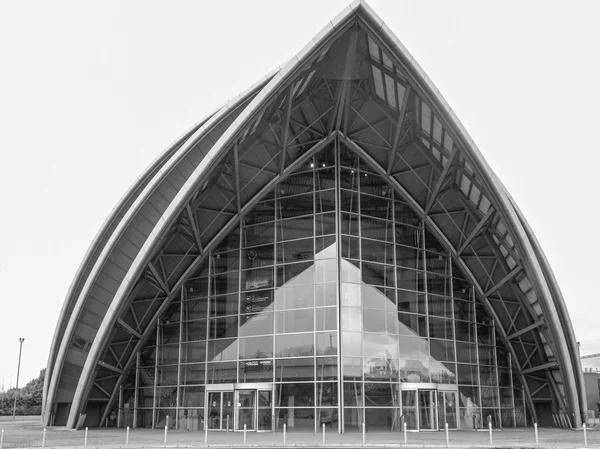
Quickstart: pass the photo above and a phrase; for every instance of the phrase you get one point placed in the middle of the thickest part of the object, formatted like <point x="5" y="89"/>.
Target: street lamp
<point x="21" y="340"/>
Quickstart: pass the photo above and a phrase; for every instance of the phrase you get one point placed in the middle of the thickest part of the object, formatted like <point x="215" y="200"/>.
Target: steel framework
<point x="353" y="83"/>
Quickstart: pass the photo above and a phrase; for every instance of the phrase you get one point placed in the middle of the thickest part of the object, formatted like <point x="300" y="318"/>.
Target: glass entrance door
<point x="427" y="410"/>
<point x="265" y="407"/>
<point x="220" y="406"/>
<point x="409" y="409"/>
<point x="447" y="408"/>
<point x="245" y="412"/>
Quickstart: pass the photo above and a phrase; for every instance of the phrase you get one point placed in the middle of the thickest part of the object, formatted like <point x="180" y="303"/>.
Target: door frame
<point x="410" y="386"/>
<point x="232" y="388"/>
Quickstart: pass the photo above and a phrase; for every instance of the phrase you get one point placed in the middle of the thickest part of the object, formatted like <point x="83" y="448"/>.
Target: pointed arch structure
<point x="354" y="93"/>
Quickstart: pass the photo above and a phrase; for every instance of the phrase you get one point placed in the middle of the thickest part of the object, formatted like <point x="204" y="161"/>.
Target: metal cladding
<point x="354" y="84"/>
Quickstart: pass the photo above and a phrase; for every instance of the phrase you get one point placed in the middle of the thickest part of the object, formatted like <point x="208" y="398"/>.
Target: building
<point x="329" y="248"/>
<point x="591" y="377"/>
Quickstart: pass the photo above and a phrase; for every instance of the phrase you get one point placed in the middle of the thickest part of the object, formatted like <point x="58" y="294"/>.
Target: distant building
<point x="591" y="375"/>
<point x="329" y="248"/>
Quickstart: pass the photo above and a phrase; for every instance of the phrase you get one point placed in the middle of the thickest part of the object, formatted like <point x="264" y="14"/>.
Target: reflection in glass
<point x="294" y="345"/>
<point x="295" y="370"/>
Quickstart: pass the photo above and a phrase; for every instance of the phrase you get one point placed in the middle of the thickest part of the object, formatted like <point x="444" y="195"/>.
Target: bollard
<point x="323" y="433"/>
<point x="244" y="433"/>
<point x="284" y="431"/>
<point x="44" y="438"/>
<point x="584" y="435"/>
<point x="447" y="435"/>
<point x="536" y="433"/>
<point x="85" y="439"/>
<point x="1" y="438"/>
<point x="404" y="432"/>
<point x="127" y="437"/>
<point x="205" y="433"/>
<point x="490" y="427"/>
<point x="363" y="430"/>
<point x="165" y="443"/>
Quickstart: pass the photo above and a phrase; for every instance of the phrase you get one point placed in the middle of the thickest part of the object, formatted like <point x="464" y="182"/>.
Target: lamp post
<point x="18" y="370"/>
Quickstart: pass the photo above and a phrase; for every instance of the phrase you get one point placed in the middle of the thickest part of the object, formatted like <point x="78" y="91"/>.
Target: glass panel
<point x="227" y="414"/>
<point x="325" y="224"/>
<point x="256" y="370"/>
<point x="258" y="256"/>
<point x="223" y="327"/>
<point x="246" y="409"/>
<point x="295" y="370"/>
<point x="256" y="301"/>
<point x="290" y="321"/>
<point x="219" y="350"/>
<point x="257" y="278"/>
<point x="381" y="395"/>
<point x="256" y="324"/>
<point x="383" y="419"/>
<point x="427" y="410"/>
<point x="448" y="408"/>
<point x="224" y="305"/>
<point x="293" y="206"/>
<point x="294" y="345"/>
<point x="326" y="318"/>
<point x="298" y="273"/>
<point x="411" y="302"/>
<point x="256" y="347"/>
<point x="302" y="419"/>
<point x="327" y="368"/>
<point x="295" y="251"/>
<point x="193" y="374"/>
<point x="296" y="297"/>
<point x="259" y="234"/>
<point x="295" y="228"/>
<point x="327" y="343"/>
<point x="326" y="294"/>
<point x="192" y="397"/>
<point x="409" y="409"/>
<point x="214" y="410"/>
<point x="221" y="373"/>
<point x="264" y="419"/>
<point x="295" y="395"/>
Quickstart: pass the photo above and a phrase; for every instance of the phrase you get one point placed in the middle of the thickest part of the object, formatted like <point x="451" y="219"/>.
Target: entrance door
<point x="265" y="410"/>
<point x="245" y="413"/>
<point x="447" y="407"/>
<point x="220" y="406"/>
<point x="409" y="409"/>
<point x="427" y="410"/>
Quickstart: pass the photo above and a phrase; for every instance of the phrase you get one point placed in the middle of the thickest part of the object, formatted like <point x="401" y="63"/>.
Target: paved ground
<point x="28" y="432"/>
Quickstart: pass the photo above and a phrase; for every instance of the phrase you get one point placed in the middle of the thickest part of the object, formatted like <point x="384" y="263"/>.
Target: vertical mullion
<point x="512" y="392"/>
<point x="498" y="406"/>
<point x="136" y="391"/>
<point x="477" y="356"/>
<point x="156" y="355"/>
<point x="338" y="215"/>
<point x="457" y="401"/>
<point x="178" y="401"/>
<point x="425" y="291"/>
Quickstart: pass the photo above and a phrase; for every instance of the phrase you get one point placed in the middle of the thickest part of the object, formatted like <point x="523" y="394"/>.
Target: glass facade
<point x="332" y="304"/>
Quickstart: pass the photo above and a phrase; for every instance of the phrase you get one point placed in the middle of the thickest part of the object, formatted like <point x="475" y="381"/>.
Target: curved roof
<point x="354" y="83"/>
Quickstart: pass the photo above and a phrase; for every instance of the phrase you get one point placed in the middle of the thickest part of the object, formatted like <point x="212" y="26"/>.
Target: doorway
<point x="233" y="406"/>
<point x="426" y="409"/>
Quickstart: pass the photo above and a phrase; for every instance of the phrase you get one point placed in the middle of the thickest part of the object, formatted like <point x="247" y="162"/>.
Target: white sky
<point x="91" y="93"/>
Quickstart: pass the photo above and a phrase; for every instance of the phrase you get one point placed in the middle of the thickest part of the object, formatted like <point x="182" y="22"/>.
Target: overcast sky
<point x="91" y="93"/>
